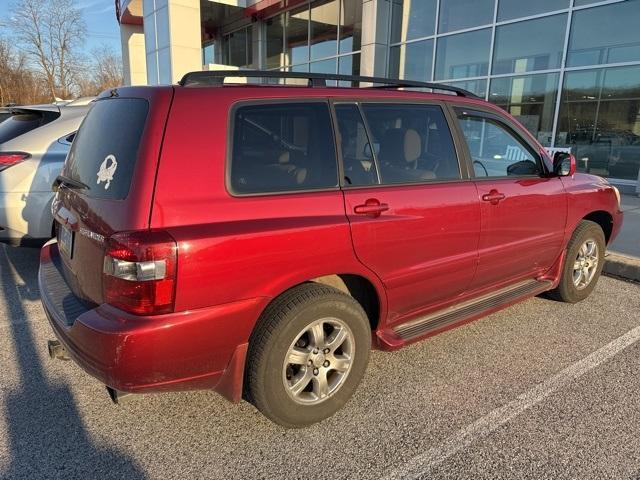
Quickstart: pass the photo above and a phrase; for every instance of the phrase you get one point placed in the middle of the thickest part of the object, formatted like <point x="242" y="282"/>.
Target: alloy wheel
<point x="585" y="265"/>
<point x="318" y="361"/>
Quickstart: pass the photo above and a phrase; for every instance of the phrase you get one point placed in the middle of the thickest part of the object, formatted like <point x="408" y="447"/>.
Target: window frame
<point x="230" y="141"/>
<point x="509" y="126"/>
<point x="459" y="143"/>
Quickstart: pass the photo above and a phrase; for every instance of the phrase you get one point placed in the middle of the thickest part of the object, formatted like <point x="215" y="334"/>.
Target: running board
<point x="470" y="308"/>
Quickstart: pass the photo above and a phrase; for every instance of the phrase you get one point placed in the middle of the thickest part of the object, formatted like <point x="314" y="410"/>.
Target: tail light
<point x="9" y="159"/>
<point x="139" y="274"/>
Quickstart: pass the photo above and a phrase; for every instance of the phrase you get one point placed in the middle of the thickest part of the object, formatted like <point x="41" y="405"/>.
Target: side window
<point x="283" y="147"/>
<point x="495" y="150"/>
<point x="357" y="156"/>
<point x="412" y="142"/>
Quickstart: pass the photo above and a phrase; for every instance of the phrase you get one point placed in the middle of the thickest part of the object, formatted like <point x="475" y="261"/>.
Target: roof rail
<point x="216" y="78"/>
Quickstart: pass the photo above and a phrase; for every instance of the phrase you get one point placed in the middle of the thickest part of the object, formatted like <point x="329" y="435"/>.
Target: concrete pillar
<point x="375" y="37"/>
<point x="172" y="33"/>
<point x="133" y="55"/>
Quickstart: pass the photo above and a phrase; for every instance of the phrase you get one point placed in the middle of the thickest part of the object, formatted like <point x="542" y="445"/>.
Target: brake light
<point x="139" y="274"/>
<point x="9" y="159"/>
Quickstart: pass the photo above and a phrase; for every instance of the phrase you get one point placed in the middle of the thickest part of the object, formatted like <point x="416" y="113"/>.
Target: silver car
<point x="34" y="142"/>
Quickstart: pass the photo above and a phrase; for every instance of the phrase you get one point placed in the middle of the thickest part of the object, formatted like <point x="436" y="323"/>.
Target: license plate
<point x="65" y="240"/>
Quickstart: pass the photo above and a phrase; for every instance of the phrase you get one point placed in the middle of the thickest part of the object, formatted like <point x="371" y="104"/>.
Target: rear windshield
<point x="19" y="124"/>
<point x="105" y="149"/>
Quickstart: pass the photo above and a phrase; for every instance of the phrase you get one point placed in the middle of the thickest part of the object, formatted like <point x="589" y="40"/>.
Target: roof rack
<point x="216" y="78"/>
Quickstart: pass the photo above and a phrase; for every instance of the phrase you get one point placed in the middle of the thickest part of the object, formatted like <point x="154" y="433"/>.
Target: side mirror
<point x="564" y="164"/>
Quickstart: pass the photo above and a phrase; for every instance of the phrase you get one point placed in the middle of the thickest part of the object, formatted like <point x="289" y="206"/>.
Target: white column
<point x="375" y="37"/>
<point x="172" y="39"/>
<point x="133" y="54"/>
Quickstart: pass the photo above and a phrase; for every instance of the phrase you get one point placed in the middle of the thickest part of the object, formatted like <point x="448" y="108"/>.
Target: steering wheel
<point x="486" y="174"/>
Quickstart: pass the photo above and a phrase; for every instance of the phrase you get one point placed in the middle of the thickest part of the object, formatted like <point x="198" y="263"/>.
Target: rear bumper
<point x="200" y="349"/>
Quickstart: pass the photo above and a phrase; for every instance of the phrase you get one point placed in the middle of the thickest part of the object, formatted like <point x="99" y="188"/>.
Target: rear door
<point x="414" y="218"/>
<point x="108" y="181"/>
<point x="524" y="210"/>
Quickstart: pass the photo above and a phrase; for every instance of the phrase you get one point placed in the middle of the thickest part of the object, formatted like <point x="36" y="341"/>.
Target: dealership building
<point x="569" y="70"/>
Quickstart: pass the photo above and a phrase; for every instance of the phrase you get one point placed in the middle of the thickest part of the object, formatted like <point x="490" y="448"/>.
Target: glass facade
<point x="568" y="70"/>
<point x="322" y="36"/>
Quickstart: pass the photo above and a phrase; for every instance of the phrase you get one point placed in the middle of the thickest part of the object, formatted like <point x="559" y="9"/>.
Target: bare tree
<point x="107" y="68"/>
<point x="102" y="72"/>
<point x="18" y="83"/>
<point x="50" y="32"/>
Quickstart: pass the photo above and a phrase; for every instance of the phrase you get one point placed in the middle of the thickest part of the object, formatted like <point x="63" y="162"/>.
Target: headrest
<point x="412" y="145"/>
<point x="284" y="158"/>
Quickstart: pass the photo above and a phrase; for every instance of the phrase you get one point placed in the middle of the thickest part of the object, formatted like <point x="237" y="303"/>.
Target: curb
<point x="622" y="266"/>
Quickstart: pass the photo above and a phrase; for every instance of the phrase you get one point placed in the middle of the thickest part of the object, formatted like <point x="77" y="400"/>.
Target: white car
<point x="34" y="142"/>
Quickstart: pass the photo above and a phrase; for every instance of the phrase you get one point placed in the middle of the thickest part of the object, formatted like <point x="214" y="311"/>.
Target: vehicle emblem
<point x="107" y="170"/>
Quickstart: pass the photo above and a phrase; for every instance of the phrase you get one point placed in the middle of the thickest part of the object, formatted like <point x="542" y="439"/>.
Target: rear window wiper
<point x="69" y="182"/>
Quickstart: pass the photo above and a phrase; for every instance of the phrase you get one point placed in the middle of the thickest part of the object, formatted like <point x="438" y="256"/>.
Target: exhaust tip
<point x="57" y="350"/>
<point x="117" y="396"/>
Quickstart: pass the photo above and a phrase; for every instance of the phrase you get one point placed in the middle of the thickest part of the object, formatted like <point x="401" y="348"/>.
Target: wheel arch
<point x="604" y="219"/>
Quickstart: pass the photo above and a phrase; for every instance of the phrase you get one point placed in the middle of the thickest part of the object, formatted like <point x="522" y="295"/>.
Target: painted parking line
<point x="420" y="465"/>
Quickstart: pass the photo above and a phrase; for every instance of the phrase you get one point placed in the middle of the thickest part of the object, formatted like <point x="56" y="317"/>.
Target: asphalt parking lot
<point x="540" y="390"/>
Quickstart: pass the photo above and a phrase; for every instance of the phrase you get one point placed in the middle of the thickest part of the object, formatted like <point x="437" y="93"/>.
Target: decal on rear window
<point x="107" y="171"/>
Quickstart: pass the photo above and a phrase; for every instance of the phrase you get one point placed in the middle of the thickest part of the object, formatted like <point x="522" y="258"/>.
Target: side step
<point x="468" y="309"/>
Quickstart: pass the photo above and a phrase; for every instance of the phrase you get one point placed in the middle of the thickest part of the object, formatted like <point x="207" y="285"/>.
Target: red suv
<point x="258" y="240"/>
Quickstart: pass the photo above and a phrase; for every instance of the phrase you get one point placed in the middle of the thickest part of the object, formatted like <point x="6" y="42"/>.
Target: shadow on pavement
<point x="45" y="436"/>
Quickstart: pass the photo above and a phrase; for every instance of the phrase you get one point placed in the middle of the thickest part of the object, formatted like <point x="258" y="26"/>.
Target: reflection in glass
<point x="275" y="41"/>
<point x="236" y="48"/>
<point x="412" y="19"/>
<point x="531" y="99"/>
<point x="515" y="52"/>
<point x="606" y="34"/>
<point x="464" y="55"/>
<point x="600" y="120"/>
<point x="461" y="14"/>
<point x="323" y="28"/>
<point x="477" y="87"/>
<point x="509" y="9"/>
<point x="349" y="65"/>
<point x="350" y="25"/>
<point x="411" y="61"/>
<point x="208" y="54"/>
<point x="297" y="36"/>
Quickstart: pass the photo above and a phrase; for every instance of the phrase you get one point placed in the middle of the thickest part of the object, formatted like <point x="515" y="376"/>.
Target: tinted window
<point x="284" y="147"/>
<point x="607" y="34"/>
<point x="531" y="99"/>
<point x="108" y="142"/>
<point x="461" y="14"/>
<point x="411" y="61"/>
<point x="495" y="150"/>
<point x="357" y="159"/>
<point x="515" y="52"/>
<point x="350" y="25"/>
<point x="508" y="9"/>
<point x="600" y="120"/>
<point x="411" y="19"/>
<point x="412" y="142"/>
<point x="324" y="28"/>
<point x="18" y="125"/>
<point x="464" y="55"/>
<point x="478" y="87"/>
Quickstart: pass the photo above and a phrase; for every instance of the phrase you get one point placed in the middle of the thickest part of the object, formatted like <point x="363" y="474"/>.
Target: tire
<point x="570" y="290"/>
<point x="289" y="329"/>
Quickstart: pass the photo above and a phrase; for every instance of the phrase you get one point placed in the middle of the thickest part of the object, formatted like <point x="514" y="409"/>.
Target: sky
<point x="100" y="17"/>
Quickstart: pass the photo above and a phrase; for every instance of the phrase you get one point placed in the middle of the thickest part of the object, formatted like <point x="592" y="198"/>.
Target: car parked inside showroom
<point x="34" y="142"/>
<point x="259" y="240"/>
